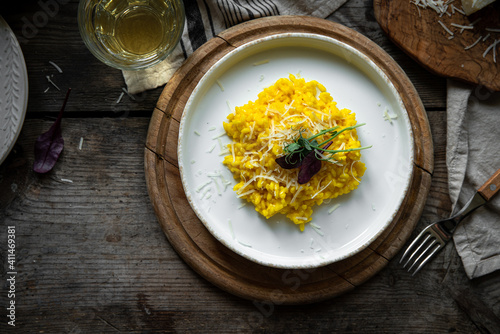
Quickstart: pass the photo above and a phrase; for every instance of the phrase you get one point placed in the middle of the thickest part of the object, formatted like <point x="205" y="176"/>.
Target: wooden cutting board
<point x="419" y="33"/>
<point x="206" y="255"/>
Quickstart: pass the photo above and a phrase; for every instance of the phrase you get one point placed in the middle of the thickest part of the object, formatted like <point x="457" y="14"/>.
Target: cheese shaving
<point x="55" y="66"/>
<point x="262" y="62"/>
<point x="51" y="82"/>
<point x="220" y="85"/>
<point x="473" y="44"/>
<point x="333" y="208"/>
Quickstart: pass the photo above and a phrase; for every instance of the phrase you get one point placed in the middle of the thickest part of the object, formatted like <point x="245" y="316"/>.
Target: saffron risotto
<point x="261" y="129"/>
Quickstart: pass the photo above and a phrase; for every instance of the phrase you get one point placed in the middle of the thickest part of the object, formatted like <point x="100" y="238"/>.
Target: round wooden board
<point x="207" y="256"/>
<point x="417" y="32"/>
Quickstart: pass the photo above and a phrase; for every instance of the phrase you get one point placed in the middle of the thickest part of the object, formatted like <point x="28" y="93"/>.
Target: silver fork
<point x="435" y="236"/>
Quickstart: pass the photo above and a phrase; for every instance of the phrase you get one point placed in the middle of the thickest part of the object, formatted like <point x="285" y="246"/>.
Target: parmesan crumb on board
<point x="120" y="97"/>
<point x="445" y="27"/>
<point x="453" y="29"/>
<point x="51" y="82"/>
<point x="128" y="94"/>
<point x="55" y="66"/>
<point x="473" y="44"/>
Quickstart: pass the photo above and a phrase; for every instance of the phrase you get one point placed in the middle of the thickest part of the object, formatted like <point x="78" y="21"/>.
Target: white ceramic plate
<point x="355" y="83"/>
<point x="13" y="89"/>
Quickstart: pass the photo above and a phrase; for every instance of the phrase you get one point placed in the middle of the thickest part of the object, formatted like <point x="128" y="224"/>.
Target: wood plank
<point x="93" y="251"/>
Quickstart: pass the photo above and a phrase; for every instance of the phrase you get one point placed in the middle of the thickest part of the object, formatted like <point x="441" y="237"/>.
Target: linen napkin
<point x="473" y="156"/>
<point x="206" y="19"/>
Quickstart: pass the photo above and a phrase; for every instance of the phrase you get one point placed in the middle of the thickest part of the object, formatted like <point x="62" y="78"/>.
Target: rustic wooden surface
<point x="418" y="31"/>
<point x="92" y="258"/>
<point x="201" y="250"/>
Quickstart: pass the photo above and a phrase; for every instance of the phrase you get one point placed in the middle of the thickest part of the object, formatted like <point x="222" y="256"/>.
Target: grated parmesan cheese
<point x="51" y="82"/>
<point x="445" y="28"/>
<point x="120" y="97"/>
<point x="220" y="85"/>
<point x="55" y="66"/>
<point x="473" y="44"/>
<point x="262" y="62"/>
<point x="128" y="94"/>
<point x="231" y="229"/>
<point x="244" y="244"/>
<point x="211" y="149"/>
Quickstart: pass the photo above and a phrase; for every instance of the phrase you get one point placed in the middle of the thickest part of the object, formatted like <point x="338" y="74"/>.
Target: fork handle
<point x="491" y="187"/>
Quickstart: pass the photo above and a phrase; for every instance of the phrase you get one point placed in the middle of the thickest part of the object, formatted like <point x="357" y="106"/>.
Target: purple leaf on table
<point x="50" y="144"/>
<point x="310" y="166"/>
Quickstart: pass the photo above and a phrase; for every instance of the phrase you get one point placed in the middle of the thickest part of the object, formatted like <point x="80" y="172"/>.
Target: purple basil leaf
<point x="327" y="145"/>
<point x="289" y="161"/>
<point x="310" y="166"/>
<point x="50" y="144"/>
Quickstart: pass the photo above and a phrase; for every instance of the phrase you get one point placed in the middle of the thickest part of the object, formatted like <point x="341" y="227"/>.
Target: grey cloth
<point x="473" y="155"/>
<point x="206" y="19"/>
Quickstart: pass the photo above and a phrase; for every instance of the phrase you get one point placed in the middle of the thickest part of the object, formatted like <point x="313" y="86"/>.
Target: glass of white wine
<point x="131" y="34"/>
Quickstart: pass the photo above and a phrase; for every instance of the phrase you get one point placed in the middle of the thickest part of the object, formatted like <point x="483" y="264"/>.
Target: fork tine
<point x="414" y="243"/>
<point x="439" y="246"/>
<point x="417" y="240"/>
<point x="433" y="242"/>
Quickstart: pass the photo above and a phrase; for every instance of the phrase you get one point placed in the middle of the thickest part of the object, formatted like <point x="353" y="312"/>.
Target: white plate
<point x="356" y="83"/>
<point x="13" y="89"/>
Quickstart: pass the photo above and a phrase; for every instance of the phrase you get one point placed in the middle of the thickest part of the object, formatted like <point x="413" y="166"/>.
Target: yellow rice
<point x="260" y="129"/>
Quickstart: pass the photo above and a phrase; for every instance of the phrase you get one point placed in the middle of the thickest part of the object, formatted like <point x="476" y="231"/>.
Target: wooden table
<point x="92" y="258"/>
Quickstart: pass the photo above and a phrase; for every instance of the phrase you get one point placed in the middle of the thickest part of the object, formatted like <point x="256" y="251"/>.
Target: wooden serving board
<point x="206" y="255"/>
<point x="417" y="32"/>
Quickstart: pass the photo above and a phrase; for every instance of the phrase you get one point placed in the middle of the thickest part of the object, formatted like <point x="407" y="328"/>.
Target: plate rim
<point x="308" y="262"/>
<point x="5" y="28"/>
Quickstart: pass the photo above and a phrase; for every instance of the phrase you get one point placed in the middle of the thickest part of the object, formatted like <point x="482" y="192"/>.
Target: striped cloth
<point x="207" y="18"/>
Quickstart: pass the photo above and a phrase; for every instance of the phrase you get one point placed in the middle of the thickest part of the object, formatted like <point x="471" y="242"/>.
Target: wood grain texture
<point x="491" y="187"/>
<point x="418" y="31"/>
<point x="193" y="241"/>
<point x="93" y="251"/>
